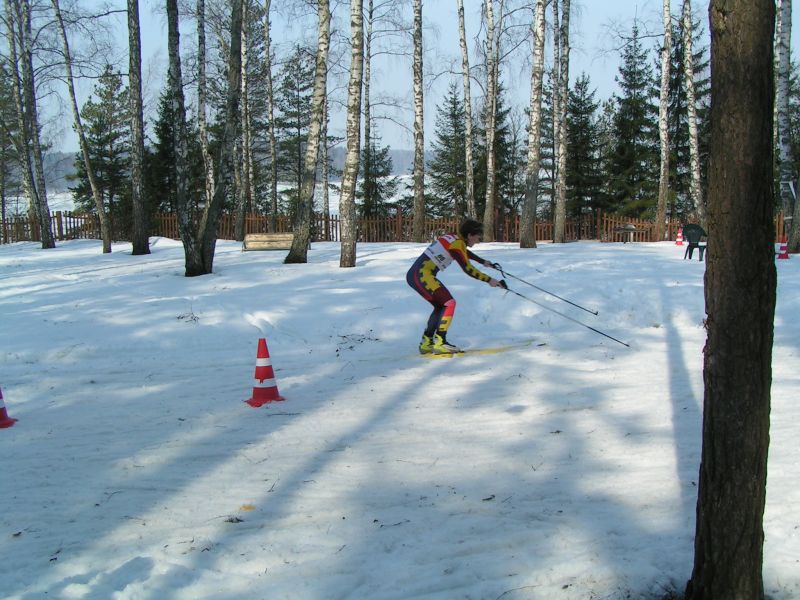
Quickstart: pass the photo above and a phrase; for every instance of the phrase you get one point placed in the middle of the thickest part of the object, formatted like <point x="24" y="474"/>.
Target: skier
<point x="422" y="277"/>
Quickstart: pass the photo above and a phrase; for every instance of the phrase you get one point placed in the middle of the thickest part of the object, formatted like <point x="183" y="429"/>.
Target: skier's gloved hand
<point x="503" y="284"/>
<point x="495" y="266"/>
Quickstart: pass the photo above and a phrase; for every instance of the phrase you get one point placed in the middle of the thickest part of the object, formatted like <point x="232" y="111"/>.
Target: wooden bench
<point x="267" y="241"/>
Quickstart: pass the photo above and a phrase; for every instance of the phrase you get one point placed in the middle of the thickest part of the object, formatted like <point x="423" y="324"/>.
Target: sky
<point x="594" y="51"/>
<point x="563" y="468"/>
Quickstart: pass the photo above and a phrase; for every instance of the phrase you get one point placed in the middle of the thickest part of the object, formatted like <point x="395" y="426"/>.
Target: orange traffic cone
<point x="784" y="251"/>
<point x="5" y="420"/>
<point x="679" y="239"/>
<point x="265" y="389"/>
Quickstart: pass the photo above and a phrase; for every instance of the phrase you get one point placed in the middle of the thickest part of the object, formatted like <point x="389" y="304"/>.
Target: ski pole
<point x="566" y="316"/>
<point x="505" y="274"/>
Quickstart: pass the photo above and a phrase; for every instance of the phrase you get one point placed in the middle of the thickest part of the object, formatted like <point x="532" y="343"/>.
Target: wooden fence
<point x="398" y="228"/>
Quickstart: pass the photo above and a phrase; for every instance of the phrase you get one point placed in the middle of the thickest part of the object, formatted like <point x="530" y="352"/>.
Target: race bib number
<point x="438" y="253"/>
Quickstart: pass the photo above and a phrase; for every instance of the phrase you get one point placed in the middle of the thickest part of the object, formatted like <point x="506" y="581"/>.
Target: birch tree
<point x="491" y="110"/>
<point x="740" y="282"/>
<point x="695" y="186"/>
<point x="418" y="225"/>
<point x="105" y="223"/>
<point x="202" y="92"/>
<point x="347" y="201"/>
<point x="21" y="48"/>
<point x="244" y="189"/>
<point x="527" y="231"/>
<point x="663" y="130"/>
<point x="140" y="232"/>
<point x="561" y="71"/>
<point x="785" y="158"/>
<point x="302" y="226"/>
<point x="199" y="236"/>
<point x="469" y="170"/>
<point x="273" y="142"/>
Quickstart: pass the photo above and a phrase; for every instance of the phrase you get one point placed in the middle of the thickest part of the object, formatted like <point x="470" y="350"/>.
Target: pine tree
<point x="584" y="176"/>
<point x="107" y="128"/>
<point x="293" y="101"/>
<point x="377" y="188"/>
<point x="447" y="167"/>
<point x="10" y="183"/>
<point x="504" y="158"/>
<point x="635" y="161"/>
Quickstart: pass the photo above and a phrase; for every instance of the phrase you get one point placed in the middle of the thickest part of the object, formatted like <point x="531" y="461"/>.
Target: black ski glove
<point x="495" y="266"/>
<point x="503" y="284"/>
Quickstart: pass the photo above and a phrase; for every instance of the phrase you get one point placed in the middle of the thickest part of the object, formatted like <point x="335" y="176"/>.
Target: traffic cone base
<point x="784" y="251"/>
<point x="5" y="420"/>
<point x="265" y="389"/>
<point x="679" y="239"/>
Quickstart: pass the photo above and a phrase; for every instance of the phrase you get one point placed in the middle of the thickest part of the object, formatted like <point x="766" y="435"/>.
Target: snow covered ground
<point x="562" y="469"/>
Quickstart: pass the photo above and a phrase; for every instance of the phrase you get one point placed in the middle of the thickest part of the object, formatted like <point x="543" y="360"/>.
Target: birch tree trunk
<point x="273" y="142"/>
<point x="740" y="283"/>
<point x="19" y="14"/>
<point x="244" y="189"/>
<point x="527" y="231"/>
<point x="326" y="201"/>
<point x="561" y="139"/>
<point x="368" y="200"/>
<point x="663" y="131"/>
<point x="302" y="227"/>
<point x="105" y="225"/>
<point x="140" y="233"/>
<point x="192" y="253"/>
<point x="490" y="108"/>
<point x="695" y="186"/>
<point x="202" y="87"/>
<point x="347" y="201"/>
<point x="418" y="225"/>
<point x="207" y="230"/>
<point x="788" y="180"/>
<point x="469" y="171"/>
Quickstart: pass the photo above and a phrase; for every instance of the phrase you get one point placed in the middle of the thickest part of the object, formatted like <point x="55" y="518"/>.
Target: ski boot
<point x="426" y="344"/>
<point x="442" y="346"/>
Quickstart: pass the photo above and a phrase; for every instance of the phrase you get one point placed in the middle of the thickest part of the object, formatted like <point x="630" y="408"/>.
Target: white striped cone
<point x="5" y="420"/>
<point x="265" y="389"/>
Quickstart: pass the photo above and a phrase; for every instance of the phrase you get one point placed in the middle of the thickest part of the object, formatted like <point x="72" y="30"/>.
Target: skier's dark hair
<point x="470" y="227"/>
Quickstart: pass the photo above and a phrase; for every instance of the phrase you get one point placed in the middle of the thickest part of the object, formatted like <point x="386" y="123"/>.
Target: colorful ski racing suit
<point x="422" y="277"/>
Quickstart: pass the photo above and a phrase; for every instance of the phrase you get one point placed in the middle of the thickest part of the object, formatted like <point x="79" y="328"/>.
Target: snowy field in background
<point x="564" y="469"/>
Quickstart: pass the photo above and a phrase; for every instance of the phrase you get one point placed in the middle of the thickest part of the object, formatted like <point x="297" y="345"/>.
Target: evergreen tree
<point x="635" y="160"/>
<point x="293" y="101"/>
<point x="106" y="119"/>
<point x="584" y="176"/>
<point x="376" y="190"/>
<point x="10" y="183"/>
<point x="447" y="168"/>
<point x="504" y="157"/>
<point x="546" y="193"/>
<point x="160" y="176"/>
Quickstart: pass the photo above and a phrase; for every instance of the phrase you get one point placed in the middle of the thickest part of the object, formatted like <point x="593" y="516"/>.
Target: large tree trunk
<point x="695" y="186"/>
<point x="418" y="224"/>
<point x="186" y="222"/>
<point x="527" y="231"/>
<point x="105" y="225"/>
<point x="663" y="131"/>
<point x="140" y="233"/>
<point x="302" y="228"/>
<point x="347" y="201"/>
<point x="740" y="304"/>
<point x="560" y="220"/>
<point x="469" y="171"/>
<point x="273" y="142"/>
<point x="224" y="164"/>
<point x="491" y="110"/>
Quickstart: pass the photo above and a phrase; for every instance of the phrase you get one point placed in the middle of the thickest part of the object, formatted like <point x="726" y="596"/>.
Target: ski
<point x="484" y="351"/>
